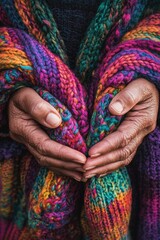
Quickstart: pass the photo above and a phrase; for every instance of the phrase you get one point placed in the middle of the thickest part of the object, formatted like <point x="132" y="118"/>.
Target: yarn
<point x="47" y="205"/>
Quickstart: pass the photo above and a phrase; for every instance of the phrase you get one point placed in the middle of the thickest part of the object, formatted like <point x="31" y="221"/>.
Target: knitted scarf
<point x="119" y="46"/>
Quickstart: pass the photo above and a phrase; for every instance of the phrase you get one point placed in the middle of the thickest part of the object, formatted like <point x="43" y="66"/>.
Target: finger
<point x="104" y="170"/>
<point x="55" y="163"/>
<point x="134" y="92"/>
<point x="31" y="134"/>
<point x="30" y="102"/>
<point x="28" y="131"/>
<point x="127" y="131"/>
<point x="117" y="155"/>
<point x="73" y="174"/>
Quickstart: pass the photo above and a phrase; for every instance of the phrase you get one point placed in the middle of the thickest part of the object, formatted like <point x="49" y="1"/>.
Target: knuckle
<point x="148" y="121"/>
<point x="152" y="125"/>
<point x="139" y="123"/>
<point x="146" y="87"/>
<point x="42" y="160"/>
<point x="127" y="161"/>
<point x="147" y="90"/>
<point x="41" y="147"/>
<point x="136" y="142"/>
<point x="61" y="152"/>
<point x="108" y="142"/>
<point x="28" y="132"/>
<point x="151" y="128"/>
<point x="130" y="98"/>
<point x="149" y="124"/>
<point x="125" y="138"/>
<point x="38" y="108"/>
<point x="125" y="153"/>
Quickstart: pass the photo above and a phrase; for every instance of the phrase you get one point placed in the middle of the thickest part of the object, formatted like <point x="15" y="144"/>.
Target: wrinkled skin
<point x="139" y="101"/>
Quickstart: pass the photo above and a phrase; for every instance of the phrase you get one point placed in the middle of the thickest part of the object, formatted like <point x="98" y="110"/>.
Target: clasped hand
<point x="27" y="110"/>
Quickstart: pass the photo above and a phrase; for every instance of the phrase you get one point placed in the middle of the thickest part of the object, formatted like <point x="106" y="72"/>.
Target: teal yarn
<point x="52" y="203"/>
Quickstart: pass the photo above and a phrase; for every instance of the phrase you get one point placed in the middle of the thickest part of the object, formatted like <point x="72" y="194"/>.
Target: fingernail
<point x="102" y="175"/>
<point x="95" y="155"/>
<point x="91" y="175"/>
<point x="77" y="179"/>
<point x="90" y="168"/>
<point x="105" y="174"/>
<point x="80" y="161"/>
<point x="53" y="120"/>
<point x="117" y="106"/>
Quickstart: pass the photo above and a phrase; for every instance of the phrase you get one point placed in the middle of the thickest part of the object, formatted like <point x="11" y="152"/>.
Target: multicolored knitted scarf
<point x="118" y="47"/>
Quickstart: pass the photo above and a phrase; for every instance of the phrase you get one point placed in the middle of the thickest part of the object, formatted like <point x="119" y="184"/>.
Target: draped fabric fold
<point x="118" y="48"/>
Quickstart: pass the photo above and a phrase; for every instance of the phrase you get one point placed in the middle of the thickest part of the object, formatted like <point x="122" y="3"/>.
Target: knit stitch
<point x="108" y="60"/>
<point x="72" y="26"/>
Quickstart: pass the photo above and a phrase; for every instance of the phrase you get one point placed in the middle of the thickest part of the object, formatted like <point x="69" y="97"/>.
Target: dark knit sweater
<point x="77" y="16"/>
<point x="145" y="170"/>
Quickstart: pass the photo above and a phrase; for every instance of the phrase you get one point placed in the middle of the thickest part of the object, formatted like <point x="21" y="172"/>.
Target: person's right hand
<point x="27" y="110"/>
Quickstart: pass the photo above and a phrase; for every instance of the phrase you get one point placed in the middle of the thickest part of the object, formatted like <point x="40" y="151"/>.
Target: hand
<point x="27" y="110"/>
<point x="140" y="100"/>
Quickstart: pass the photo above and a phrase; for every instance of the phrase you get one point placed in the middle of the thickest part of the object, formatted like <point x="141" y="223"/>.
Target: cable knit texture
<point x="74" y="23"/>
<point x="118" y="47"/>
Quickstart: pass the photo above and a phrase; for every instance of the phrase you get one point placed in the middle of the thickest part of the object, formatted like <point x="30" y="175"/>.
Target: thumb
<point x="30" y="102"/>
<point x="125" y="100"/>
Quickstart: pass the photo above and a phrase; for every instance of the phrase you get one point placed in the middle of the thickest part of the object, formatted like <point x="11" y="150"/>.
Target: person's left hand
<point x="140" y="102"/>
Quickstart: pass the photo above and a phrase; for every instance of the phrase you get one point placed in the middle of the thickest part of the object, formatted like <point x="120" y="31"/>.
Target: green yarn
<point x="48" y="25"/>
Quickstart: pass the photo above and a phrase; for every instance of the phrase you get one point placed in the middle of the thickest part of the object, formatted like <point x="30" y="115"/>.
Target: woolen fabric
<point x="119" y="46"/>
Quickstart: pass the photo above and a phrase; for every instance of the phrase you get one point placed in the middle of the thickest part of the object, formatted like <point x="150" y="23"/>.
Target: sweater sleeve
<point x="136" y="55"/>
